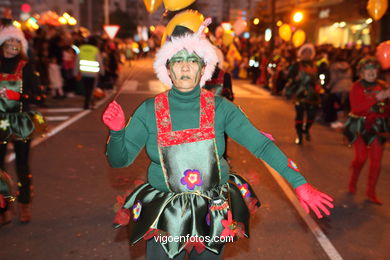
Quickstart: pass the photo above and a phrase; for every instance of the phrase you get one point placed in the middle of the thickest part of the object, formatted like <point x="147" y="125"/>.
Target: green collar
<point x="188" y="96"/>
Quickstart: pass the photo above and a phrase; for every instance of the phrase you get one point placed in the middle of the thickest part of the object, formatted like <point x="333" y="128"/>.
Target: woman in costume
<point x="19" y="86"/>
<point x="366" y="124"/>
<point x="191" y="192"/>
<point x="302" y="86"/>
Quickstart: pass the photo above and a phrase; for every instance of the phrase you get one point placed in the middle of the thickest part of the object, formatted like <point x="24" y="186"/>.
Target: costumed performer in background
<point x="366" y="124"/>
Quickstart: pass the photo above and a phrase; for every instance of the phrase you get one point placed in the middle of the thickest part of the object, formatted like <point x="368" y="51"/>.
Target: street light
<point x="298" y="17"/>
<point x="66" y="16"/>
<point x="72" y="21"/>
<point x="62" y="20"/>
<point x="67" y="19"/>
<point x="17" y="24"/>
<point x="256" y="21"/>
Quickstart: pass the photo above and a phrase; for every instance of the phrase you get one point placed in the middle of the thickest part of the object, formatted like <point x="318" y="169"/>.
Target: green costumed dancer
<point x="192" y="200"/>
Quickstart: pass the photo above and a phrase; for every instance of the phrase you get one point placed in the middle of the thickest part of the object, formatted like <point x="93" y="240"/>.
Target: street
<point x="75" y="188"/>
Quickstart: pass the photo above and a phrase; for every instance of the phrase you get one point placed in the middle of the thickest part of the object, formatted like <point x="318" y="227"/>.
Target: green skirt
<point x="176" y="217"/>
<point x="355" y="126"/>
<point x="21" y="125"/>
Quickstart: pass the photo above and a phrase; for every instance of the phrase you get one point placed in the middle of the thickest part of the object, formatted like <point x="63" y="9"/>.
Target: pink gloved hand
<point x="113" y="116"/>
<point x="311" y="198"/>
<point x="12" y="95"/>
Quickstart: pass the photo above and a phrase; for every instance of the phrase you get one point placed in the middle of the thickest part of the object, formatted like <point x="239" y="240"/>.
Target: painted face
<point x="185" y="70"/>
<point x="369" y="74"/>
<point x="11" y="48"/>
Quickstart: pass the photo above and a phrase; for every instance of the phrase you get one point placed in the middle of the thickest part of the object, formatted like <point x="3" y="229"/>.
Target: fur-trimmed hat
<point x="193" y="43"/>
<point x="11" y="32"/>
<point x="307" y="46"/>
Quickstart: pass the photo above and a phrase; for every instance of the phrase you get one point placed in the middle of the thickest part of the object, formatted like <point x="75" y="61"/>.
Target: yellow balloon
<point x="174" y="5"/>
<point x="227" y="38"/>
<point x="152" y="5"/>
<point x="298" y="38"/>
<point x="377" y="8"/>
<point x="190" y="19"/>
<point x="285" y="32"/>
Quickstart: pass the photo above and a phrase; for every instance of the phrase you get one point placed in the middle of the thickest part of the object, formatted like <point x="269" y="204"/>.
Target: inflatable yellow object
<point x="298" y="38"/>
<point x="190" y="19"/>
<point x="152" y="5"/>
<point x="377" y="8"/>
<point x="285" y="32"/>
<point x="175" y="5"/>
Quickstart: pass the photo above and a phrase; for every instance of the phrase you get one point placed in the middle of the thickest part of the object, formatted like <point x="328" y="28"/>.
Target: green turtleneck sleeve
<point x="123" y="146"/>
<point x="239" y="128"/>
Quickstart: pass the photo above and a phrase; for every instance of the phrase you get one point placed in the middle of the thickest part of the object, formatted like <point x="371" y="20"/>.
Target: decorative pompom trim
<point x="11" y="32"/>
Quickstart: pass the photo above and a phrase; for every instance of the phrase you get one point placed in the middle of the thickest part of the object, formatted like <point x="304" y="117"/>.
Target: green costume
<point x="14" y="121"/>
<point x="190" y="189"/>
<point x="369" y="118"/>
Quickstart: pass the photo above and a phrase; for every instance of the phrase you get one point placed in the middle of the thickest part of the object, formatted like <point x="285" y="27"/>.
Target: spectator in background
<point x="90" y="65"/>
<point x="67" y="69"/>
<point x="55" y="79"/>
<point x="340" y="84"/>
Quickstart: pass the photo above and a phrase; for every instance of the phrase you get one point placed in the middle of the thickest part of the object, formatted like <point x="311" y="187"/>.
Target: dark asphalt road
<point x="75" y="190"/>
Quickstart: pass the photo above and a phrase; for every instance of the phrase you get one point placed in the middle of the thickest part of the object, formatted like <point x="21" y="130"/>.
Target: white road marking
<point x="56" y="118"/>
<point x="61" y="127"/>
<point x="322" y="239"/>
<point x="156" y="86"/>
<point x="129" y="86"/>
<point x="60" y="110"/>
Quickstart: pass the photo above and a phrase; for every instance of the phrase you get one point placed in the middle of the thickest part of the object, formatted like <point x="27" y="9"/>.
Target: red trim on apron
<point x="167" y="137"/>
<point x="17" y="75"/>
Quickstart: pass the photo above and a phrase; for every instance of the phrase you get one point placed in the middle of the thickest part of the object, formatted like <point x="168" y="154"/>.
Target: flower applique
<point x="191" y="179"/>
<point x="232" y="227"/>
<point x="4" y="124"/>
<point x="153" y="232"/>
<point x="293" y="165"/>
<point x="197" y="245"/>
<point x="269" y="136"/>
<point x="136" y="209"/>
<point x="39" y="118"/>
<point x="244" y="190"/>
<point x="122" y="217"/>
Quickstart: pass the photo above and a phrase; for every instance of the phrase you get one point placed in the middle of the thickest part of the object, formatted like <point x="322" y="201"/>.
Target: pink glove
<point x="114" y="117"/>
<point x="12" y="95"/>
<point x="311" y="198"/>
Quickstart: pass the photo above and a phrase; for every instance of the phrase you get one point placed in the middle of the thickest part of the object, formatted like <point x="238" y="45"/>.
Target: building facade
<point x="337" y="22"/>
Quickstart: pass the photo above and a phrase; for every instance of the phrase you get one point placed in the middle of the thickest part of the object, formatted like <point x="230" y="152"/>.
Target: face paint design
<point x="185" y="69"/>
